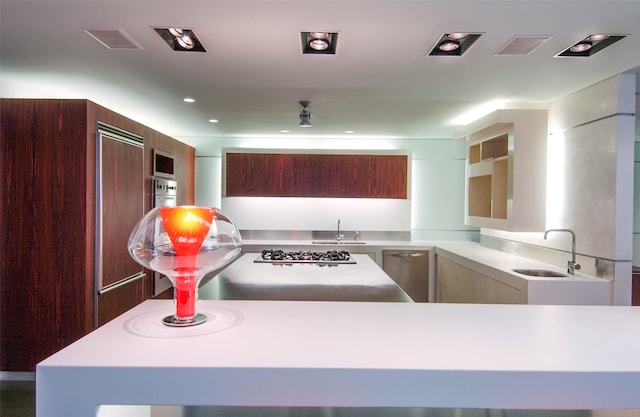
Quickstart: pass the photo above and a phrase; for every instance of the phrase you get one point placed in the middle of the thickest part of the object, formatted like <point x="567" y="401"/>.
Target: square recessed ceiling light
<point x="589" y="45"/>
<point x="181" y="39"/>
<point x="454" y="43"/>
<point x="321" y="43"/>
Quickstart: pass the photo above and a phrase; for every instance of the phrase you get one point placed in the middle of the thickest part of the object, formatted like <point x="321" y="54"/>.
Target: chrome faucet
<point x="338" y="235"/>
<point x="571" y="265"/>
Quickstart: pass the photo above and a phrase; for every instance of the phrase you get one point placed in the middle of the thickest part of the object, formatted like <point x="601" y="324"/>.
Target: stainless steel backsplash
<point x="603" y="268"/>
<point x="366" y="235"/>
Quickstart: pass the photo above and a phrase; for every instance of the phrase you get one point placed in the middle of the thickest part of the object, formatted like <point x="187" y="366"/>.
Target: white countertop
<point x="288" y="353"/>
<point x="574" y="289"/>
<point x="579" y="288"/>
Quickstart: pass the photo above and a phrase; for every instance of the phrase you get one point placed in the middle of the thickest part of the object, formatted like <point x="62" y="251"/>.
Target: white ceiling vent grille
<point x="522" y="45"/>
<point x="113" y="38"/>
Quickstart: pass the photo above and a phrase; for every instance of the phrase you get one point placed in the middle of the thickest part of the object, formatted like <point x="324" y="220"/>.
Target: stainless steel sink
<point x="540" y="273"/>
<point x="338" y="242"/>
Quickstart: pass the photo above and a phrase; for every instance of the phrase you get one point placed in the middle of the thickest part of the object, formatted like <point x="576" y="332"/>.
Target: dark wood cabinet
<point x="316" y="175"/>
<point x="48" y="286"/>
<point x="120" y="204"/>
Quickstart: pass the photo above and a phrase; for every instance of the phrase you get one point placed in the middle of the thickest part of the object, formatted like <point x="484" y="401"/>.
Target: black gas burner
<point x="301" y="256"/>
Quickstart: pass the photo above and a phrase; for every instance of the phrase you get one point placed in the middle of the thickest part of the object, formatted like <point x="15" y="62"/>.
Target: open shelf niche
<point x="506" y="170"/>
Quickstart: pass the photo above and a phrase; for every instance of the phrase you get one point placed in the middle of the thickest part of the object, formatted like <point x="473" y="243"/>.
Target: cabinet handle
<point x="408" y="255"/>
<point x="122" y="282"/>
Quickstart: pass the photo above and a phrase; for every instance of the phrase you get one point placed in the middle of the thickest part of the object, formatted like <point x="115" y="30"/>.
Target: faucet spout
<point x="571" y="265"/>
<point x="339" y="236"/>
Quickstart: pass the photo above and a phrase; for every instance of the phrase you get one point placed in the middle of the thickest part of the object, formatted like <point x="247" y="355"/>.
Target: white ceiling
<point x="381" y="83"/>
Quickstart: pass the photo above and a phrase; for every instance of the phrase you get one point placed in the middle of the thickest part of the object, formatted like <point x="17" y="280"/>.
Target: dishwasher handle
<point x="408" y="254"/>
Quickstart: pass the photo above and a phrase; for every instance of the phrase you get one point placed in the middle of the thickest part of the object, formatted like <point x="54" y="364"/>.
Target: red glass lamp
<point x="185" y="243"/>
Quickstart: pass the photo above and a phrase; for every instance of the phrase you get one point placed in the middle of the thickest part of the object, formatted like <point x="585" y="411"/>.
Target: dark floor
<point x="17" y="398"/>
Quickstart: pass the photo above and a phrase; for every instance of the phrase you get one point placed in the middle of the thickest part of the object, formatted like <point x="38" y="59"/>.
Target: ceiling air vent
<point x="522" y="45"/>
<point x="113" y="38"/>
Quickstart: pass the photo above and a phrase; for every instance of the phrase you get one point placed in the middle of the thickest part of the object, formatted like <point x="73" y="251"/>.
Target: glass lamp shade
<point x="185" y="243"/>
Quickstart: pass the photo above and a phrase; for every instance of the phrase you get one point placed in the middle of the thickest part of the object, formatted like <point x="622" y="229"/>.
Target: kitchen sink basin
<point x="338" y="242"/>
<point x="540" y="273"/>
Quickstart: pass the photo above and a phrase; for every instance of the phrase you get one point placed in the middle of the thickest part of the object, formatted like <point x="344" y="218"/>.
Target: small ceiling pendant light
<point x="305" y="114"/>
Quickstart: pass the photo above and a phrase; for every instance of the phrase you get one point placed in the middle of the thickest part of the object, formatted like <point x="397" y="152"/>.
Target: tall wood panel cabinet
<point x="50" y="294"/>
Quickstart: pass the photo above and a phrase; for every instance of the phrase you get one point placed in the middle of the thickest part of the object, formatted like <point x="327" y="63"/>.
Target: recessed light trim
<point x="457" y="36"/>
<point x="185" y="42"/>
<point x="319" y="35"/>
<point x="581" y="46"/>
<point x="589" y="45"/>
<point x="454" y="43"/>
<point x="319" y="44"/>
<point x="449" y="45"/>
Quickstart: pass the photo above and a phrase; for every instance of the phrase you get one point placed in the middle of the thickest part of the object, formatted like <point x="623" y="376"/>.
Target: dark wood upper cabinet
<point x="316" y="175"/>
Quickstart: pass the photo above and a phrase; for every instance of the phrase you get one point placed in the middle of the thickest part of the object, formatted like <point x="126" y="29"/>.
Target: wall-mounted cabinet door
<point x="120" y="204"/>
<point x="316" y="175"/>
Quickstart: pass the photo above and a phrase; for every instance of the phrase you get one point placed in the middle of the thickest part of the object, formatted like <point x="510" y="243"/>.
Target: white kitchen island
<point x="352" y="354"/>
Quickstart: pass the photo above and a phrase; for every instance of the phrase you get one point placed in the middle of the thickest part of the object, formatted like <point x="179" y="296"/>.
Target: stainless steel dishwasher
<point x="410" y="270"/>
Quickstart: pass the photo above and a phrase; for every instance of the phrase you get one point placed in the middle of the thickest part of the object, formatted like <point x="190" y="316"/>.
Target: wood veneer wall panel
<point x="44" y="245"/>
<point x="47" y="226"/>
<point x="316" y="175"/>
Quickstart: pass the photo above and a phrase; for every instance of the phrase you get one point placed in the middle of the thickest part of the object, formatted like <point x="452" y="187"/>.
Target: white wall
<point x="435" y="209"/>
<point x="590" y="177"/>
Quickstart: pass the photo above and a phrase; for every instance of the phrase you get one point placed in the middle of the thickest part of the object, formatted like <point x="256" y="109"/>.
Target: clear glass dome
<point x="185" y="243"/>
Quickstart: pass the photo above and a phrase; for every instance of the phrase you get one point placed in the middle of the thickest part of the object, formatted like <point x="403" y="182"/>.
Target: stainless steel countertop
<point x="362" y="281"/>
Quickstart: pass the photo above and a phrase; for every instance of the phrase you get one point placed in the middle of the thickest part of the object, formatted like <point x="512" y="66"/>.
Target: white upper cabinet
<point x="506" y="170"/>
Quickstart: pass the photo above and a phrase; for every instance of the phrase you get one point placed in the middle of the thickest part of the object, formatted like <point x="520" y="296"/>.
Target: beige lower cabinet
<point x="458" y="284"/>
